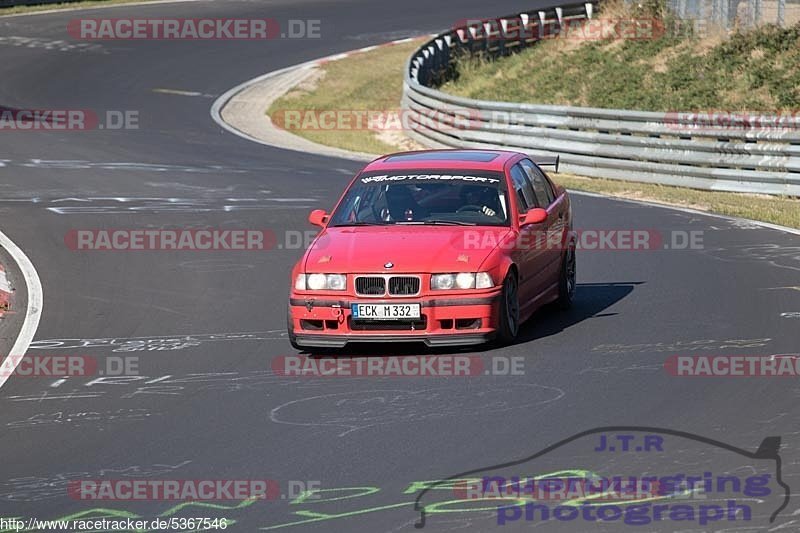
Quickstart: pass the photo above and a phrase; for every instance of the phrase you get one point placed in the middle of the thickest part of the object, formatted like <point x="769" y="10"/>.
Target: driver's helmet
<point x="400" y="202"/>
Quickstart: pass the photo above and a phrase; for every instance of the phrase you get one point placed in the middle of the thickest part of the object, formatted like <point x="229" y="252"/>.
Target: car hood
<point x="420" y="249"/>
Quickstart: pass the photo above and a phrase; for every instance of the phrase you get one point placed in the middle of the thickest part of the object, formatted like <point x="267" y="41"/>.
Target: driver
<point x="401" y="204"/>
<point x="484" y="198"/>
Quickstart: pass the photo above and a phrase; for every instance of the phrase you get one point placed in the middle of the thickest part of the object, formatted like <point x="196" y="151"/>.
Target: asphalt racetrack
<point x="206" y="326"/>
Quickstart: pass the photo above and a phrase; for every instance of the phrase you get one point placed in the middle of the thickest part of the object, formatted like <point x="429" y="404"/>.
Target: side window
<point x="522" y="188"/>
<point x="544" y="193"/>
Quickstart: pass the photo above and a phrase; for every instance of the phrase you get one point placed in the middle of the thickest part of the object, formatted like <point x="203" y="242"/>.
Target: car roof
<point x="494" y="160"/>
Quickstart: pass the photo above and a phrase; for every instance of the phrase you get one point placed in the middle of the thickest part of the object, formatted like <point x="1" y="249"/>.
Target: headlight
<point x="320" y="282"/>
<point x="336" y="282"/>
<point x="461" y="280"/>
<point x="443" y="281"/>
<point x="465" y="280"/>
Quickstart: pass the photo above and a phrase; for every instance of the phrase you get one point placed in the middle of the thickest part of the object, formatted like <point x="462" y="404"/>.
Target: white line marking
<point x="4" y="285"/>
<point x="35" y="302"/>
<point x="785" y="229"/>
<point x="177" y="92"/>
<point x="337" y="57"/>
<point x="219" y="103"/>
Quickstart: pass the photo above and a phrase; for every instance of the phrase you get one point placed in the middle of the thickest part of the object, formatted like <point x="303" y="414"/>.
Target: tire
<point x="566" y="280"/>
<point x="508" y="320"/>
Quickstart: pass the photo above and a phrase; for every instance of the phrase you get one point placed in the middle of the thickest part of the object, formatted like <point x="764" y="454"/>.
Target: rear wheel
<point x="566" y="281"/>
<point x="508" y="327"/>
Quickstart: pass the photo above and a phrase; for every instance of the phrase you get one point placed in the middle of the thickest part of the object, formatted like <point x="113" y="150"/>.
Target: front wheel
<point x="566" y="281"/>
<point x="509" y="310"/>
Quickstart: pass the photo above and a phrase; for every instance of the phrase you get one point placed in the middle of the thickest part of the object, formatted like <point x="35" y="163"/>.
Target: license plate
<point x="384" y="311"/>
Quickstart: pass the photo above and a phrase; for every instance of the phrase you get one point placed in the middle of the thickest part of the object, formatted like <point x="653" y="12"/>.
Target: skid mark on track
<point x="147" y="305"/>
<point x="365" y="409"/>
<point x="215" y="265"/>
<point x="682" y="346"/>
<point x="156" y="343"/>
<point x="628" y="368"/>
<point x="51" y="486"/>
<point x="52" y="45"/>
<point x="168" y="387"/>
<point x="776" y="255"/>
<point x="80" y="418"/>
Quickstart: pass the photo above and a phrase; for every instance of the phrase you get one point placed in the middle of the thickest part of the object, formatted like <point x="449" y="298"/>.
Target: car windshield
<point x="425" y="197"/>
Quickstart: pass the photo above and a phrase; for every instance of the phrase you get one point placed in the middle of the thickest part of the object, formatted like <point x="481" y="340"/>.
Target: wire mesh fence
<point x="742" y="13"/>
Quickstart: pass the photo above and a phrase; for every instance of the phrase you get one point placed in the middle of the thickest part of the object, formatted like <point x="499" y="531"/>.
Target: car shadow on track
<point x="591" y="299"/>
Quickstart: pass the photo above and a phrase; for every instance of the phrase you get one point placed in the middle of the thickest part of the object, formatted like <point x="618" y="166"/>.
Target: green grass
<point x="373" y="80"/>
<point x="756" y="71"/>
<point x="367" y="81"/>
<point x="81" y="4"/>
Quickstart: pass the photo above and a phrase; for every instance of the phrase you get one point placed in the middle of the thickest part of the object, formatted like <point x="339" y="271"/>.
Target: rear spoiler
<point x="547" y="162"/>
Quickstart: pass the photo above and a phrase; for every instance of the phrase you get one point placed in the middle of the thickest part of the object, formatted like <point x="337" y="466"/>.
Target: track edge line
<point x="35" y="303"/>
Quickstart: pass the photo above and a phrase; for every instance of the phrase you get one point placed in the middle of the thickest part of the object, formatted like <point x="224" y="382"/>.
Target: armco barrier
<point x="759" y="154"/>
<point x="10" y="3"/>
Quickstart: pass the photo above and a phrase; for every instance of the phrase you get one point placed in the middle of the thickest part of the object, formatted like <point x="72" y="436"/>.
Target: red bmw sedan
<point x="446" y="247"/>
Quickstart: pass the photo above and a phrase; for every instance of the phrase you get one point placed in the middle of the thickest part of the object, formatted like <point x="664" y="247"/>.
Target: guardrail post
<point x="542" y="24"/>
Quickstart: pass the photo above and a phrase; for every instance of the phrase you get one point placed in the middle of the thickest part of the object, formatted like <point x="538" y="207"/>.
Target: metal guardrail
<point x="714" y="151"/>
<point x="11" y="3"/>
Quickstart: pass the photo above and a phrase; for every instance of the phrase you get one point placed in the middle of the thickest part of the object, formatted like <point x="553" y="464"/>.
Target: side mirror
<point x="318" y="217"/>
<point x="537" y="215"/>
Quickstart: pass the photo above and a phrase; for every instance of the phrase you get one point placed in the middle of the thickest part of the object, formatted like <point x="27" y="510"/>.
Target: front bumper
<point x="445" y="321"/>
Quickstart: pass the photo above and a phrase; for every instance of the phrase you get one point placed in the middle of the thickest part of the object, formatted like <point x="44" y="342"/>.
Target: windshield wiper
<point x="437" y="222"/>
<point x="450" y="222"/>
<point x="345" y="224"/>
